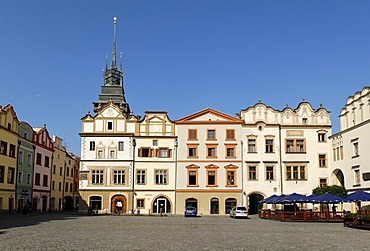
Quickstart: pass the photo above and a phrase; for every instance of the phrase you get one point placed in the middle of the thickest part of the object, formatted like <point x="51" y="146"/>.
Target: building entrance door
<point x="254" y="204"/>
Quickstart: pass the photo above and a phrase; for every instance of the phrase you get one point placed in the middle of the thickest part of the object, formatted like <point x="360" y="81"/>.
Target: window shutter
<point x="139" y="153"/>
<point x="169" y="152"/>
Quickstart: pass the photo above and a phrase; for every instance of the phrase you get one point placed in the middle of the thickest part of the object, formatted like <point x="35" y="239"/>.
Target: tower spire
<point x="114" y="44"/>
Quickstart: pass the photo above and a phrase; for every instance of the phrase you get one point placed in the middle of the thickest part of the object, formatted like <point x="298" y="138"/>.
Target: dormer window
<point x="110" y="126"/>
<point x="304" y="121"/>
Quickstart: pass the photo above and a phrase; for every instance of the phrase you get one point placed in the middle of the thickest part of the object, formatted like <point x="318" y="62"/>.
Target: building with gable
<point x="284" y="151"/>
<point x="349" y="146"/>
<point x="43" y="161"/>
<point x="25" y="166"/>
<point x="8" y="157"/>
<point x="209" y="163"/>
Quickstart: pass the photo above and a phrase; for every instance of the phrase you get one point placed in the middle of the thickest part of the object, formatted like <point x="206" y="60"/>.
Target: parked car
<point x="239" y="212"/>
<point x="190" y="211"/>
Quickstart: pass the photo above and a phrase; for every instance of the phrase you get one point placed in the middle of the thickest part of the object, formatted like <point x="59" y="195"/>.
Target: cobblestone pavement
<point x="68" y="231"/>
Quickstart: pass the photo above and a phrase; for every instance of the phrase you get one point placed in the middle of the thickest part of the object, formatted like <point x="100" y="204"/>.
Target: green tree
<point x="336" y="190"/>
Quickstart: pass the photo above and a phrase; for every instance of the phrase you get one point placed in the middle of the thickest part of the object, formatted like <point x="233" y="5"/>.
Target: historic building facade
<point x="284" y="151"/>
<point x="8" y="157"/>
<point x="350" y="145"/>
<point x="44" y="148"/>
<point x="25" y="166"/>
<point x="209" y="163"/>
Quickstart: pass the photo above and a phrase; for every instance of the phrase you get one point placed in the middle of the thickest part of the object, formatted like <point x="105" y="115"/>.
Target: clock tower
<point x="112" y="86"/>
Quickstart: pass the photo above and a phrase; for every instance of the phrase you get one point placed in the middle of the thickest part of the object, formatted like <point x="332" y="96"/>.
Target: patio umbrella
<point x="358" y="196"/>
<point x="268" y="199"/>
<point x="328" y="198"/>
<point x="295" y="198"/>
<point x="279" y="199"/>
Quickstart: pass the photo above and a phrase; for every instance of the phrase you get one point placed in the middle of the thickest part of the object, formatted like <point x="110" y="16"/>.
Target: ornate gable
<point x="209" y="116"/>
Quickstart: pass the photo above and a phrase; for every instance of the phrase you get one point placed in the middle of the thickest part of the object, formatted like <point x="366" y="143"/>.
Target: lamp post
<point x="133" y="177"/>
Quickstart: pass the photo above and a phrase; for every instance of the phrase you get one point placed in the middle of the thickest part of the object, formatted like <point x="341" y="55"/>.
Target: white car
<point x="239" y="212"/>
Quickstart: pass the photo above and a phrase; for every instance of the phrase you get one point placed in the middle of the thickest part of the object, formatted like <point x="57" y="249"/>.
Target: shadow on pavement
<point x="8" y="221"/>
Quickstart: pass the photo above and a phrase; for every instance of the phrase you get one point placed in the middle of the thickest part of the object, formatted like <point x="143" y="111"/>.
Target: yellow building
<point x="8" y="157"/>
<point x="64" y="188"/>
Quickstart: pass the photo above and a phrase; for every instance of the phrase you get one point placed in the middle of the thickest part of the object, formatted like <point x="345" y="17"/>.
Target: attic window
<point x="110" y="125"/>
<point x="304" y="121"/>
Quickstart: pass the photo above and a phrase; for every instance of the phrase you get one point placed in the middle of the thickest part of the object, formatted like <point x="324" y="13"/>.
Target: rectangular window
<point x="29" y="159"/>
<point x="92" y="145"/>
<point x="61" y="170"/>
<point x="252" y="146"/>
<point x="341" y="152"/>
<point x="2" y="173"/>
<point x="54" y="169"/>
<point x="161" y="177"/>
<point x="192" y="151"/>
<point x="155" y="142"/>
<point x="211" y="151"/>
<point x="269" y="145"/>
<point x="211" y="178"/>
<point x="20" y="157"/>
<point x="295" y="146"/>
<point x="47" y="159"/>
<point x="37" y="179"/>
<point x="110" y="126"/>
<point x="11" y="173"/>
<point x="357" y="177"/>
<point x="145" y="152"/>
<point x="230" y="151"/>
<point x="192" y="178"/>
<point x="252" y="172"/>
<point x="355" y="149"/>
<point x="66" y="187"/>
<point x="192" y="134"/>
<point x="97" y="177"/>
<point x="322" y="160"/>
<point x="70" y="187"/>
<point x="3" y="147"/>
<point x="20" y="177"/>
<point x="60" y="186"/>
<point x="270" y="173"/>
<point x="230" y="178"/>
<point x="45" y="180"/>
<point x="295" y="172"/>
<point x="12" y="150"/>
<point x="140" y="177"/>
<point x="67" y="171"/>
<point x="121" y="146"/>
<point x="321" y="137"/>
<point x="29" y="176"/>
<point x="140" y="203"/>
<point x="211" y="134"/>
<point x="53" y="185"/>
<point x="230" y="134"/>
<point x="38" y="159"/>
<point x="164" y="153"/>
<point x="323" y="182"/>
<point x="119" y="177"/>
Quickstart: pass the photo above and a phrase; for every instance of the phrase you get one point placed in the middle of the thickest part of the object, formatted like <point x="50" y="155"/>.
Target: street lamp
<point x="133" y="177"/>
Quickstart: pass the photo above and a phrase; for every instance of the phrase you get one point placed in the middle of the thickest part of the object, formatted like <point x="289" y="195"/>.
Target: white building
<point x="284" y="151"/>
<point x="350" y="163"/>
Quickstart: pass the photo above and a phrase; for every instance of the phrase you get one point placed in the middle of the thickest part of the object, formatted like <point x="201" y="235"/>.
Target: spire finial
<point x="114" y="44"/>
<point x="120" y="59"/>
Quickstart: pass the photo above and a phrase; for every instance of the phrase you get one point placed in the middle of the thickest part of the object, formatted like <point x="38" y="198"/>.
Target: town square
<point x="66" y="231"/>
<point x="203" y="125"/>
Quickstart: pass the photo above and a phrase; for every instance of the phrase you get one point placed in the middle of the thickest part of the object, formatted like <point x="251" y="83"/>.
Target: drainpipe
<point x="281" y="162"/>
<point x="176" y="145"/>
<point x="242" y="166"/>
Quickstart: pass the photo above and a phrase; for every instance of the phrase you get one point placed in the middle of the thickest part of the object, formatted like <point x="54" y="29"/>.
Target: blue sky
<point x="180" y="56"/>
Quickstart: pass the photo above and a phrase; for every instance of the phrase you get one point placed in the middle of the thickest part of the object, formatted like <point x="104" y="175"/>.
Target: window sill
<point x="211" y="157"/>
<point x="192" y="185"/>
<point x="252" y="152"/>
<point x="356" y="156"/>
<point x="295" y="152"/>
<point x="231" y="186"/>
<point x="193" y="157"/>
<point x="230" y="157"/>
<point x="357" y="185"/>
<point x="211" y="185"/>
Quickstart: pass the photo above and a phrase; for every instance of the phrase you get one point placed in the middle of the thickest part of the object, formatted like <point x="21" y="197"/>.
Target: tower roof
<point x="112" y="87"/>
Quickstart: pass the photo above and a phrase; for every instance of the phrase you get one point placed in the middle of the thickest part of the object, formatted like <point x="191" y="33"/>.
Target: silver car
<point x="239" y="212"/>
